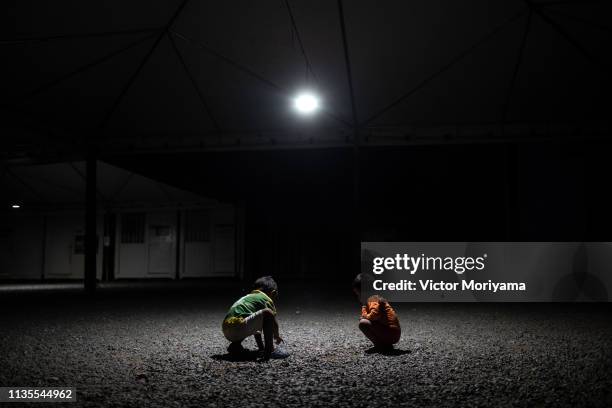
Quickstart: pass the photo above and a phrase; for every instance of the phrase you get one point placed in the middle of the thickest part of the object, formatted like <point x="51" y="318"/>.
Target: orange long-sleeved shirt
<point x="380" y="312"/>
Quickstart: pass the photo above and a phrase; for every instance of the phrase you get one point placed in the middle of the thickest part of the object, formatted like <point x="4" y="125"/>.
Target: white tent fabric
<point x="63" y="184"/>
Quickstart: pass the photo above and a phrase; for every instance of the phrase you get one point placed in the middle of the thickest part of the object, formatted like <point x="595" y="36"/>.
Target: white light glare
<point x="306" y="103"/>
<point x="15" y="206"/>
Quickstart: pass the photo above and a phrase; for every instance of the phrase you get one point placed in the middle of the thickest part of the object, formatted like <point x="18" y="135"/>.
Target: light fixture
<point x="306" y="103"/>
<point x="16" y="206"/>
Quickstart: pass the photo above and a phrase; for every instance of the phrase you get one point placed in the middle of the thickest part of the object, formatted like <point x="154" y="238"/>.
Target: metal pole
<point x="356" y="213"/>
<point x="90" y="224"/>
<point x="512" y="191"/>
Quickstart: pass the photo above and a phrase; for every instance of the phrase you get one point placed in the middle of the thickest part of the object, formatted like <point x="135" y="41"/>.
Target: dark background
<point x="474" y="121"/>
<point x="441" y="120"/>
<point x="299" y="204"/>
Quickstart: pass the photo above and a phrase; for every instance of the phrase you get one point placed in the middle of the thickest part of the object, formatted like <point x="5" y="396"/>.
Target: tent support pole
<point x="512" y="191"/>
<point x="90" y="224"/>
<point x="355" y="264"/>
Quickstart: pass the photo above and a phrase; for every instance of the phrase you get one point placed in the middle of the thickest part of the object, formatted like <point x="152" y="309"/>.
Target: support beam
<point x="122" y="187"/>
<point x="90" y="224"/>
<point x="569" y="2"/>
<point x="569" y="38"/>
<point x="512" y="191"/>
<point x="227" y="60"/>
<point x="30" y="40"/>
<point x="27" y="186"/>
<point x="355" y="262"/>
<point x="129" y="83"/>
<point x="194" y="83"/>
<point x="347" y="62"/>
<point x="46" y="86"/>
<point x="300" y="43"/>
<point x="147" y="57"/>
<point x="486" y="38"/>
<point x="240" y="67"/>
<point x="517" y="66"/>
<point x="580" y="20"/>
<point x="84" y="177"/>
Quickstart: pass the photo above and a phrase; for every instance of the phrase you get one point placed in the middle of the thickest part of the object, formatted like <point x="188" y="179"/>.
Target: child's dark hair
<point x="361" y="279"/>
<point x="266" y="284"/>
<point x="364" y="278"/>
<point x="357" y="282"/>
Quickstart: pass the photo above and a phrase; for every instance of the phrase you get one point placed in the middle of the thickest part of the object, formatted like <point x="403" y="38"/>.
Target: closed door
<point x="161" y="237"/>
<point x="197" y="253"/>
<point x="161" y="249"/>
<point x="224" y="252"/>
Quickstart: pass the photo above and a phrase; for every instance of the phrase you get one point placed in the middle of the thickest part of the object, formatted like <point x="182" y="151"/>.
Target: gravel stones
<point x="163" y="351"/>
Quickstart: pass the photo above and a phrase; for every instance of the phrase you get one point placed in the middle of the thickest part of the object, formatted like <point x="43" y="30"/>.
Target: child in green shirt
<point x="252" y="314"/>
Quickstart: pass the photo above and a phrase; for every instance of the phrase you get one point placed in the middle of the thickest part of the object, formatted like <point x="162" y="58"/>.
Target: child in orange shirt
<point x="378" y="321"/>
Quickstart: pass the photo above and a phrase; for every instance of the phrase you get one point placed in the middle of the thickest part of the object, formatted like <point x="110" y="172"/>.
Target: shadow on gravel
<point x="387" y="352"/>
<point x="247" y="355"/>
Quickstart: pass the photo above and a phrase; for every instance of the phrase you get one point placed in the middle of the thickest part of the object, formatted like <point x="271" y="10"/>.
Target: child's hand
<point x="278" y="339"/>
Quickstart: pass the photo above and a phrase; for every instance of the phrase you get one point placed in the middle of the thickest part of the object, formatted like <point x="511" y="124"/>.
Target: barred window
<point x="132" y="228"/>
<point x="197" y="226"/>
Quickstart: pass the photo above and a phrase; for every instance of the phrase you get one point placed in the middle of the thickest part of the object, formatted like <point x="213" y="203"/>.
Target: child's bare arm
<point x="373" y="313"/>
<point x="277" y="336"/>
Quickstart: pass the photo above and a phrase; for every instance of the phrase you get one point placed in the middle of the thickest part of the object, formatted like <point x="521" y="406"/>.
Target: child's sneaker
<point x="279" y="353"/>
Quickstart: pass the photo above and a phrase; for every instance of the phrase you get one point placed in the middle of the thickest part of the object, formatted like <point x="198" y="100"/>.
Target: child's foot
<point x="277" y="354"/>
<point x="235" y="349"/>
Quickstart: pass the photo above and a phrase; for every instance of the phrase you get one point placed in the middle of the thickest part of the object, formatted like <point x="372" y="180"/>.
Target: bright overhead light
<point x="15" y="206"/>
<point x="306" y="103"/>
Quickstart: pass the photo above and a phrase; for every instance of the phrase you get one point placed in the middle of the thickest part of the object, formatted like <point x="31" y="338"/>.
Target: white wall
<point x="155" y="255"/>
<point x="64" y="246"/>
<point x="196" y="243"/>
<point x="224" y="242"/>
<point x="162" y="239"/>
<point x="46" y="246"/>
<point x="214" y="256"/>
<point x="29" y="241"/>
<point x="21" y="247"/>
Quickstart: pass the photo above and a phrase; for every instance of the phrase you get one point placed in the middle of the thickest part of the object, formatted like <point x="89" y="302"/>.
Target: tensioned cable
<point x="569" y="2"/>
<point x="84" y="68"/>
<point x="517" y="66"/>
<point x="309" y="69"/>
<point x="132" y="79"/>
<point x="28" y="187"/>
<point x="194" y="83"/>
<point x="445" y="67"/>
<point x="84" y="177"/>
<point x="29" y="40"/>
<point x="244" y="69"/>
<point x="583" y="21"/>
<point x="347" y="62"/>
<point x="569" y="38"/>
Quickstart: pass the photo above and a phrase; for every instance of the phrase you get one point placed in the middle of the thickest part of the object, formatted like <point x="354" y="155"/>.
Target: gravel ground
<point x="166" y="349"/>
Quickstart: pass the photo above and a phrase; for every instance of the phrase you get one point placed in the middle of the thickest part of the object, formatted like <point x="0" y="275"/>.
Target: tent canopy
<point x="196" y="74"/>
<point x="62" y="185"/>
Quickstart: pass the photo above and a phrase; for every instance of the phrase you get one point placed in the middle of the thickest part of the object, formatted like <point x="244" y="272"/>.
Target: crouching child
<point x="251" y="315"/>
<point x="378" y="321"/>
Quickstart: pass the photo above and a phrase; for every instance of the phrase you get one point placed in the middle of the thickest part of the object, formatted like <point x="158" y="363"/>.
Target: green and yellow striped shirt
<point x="247" y="305"/>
